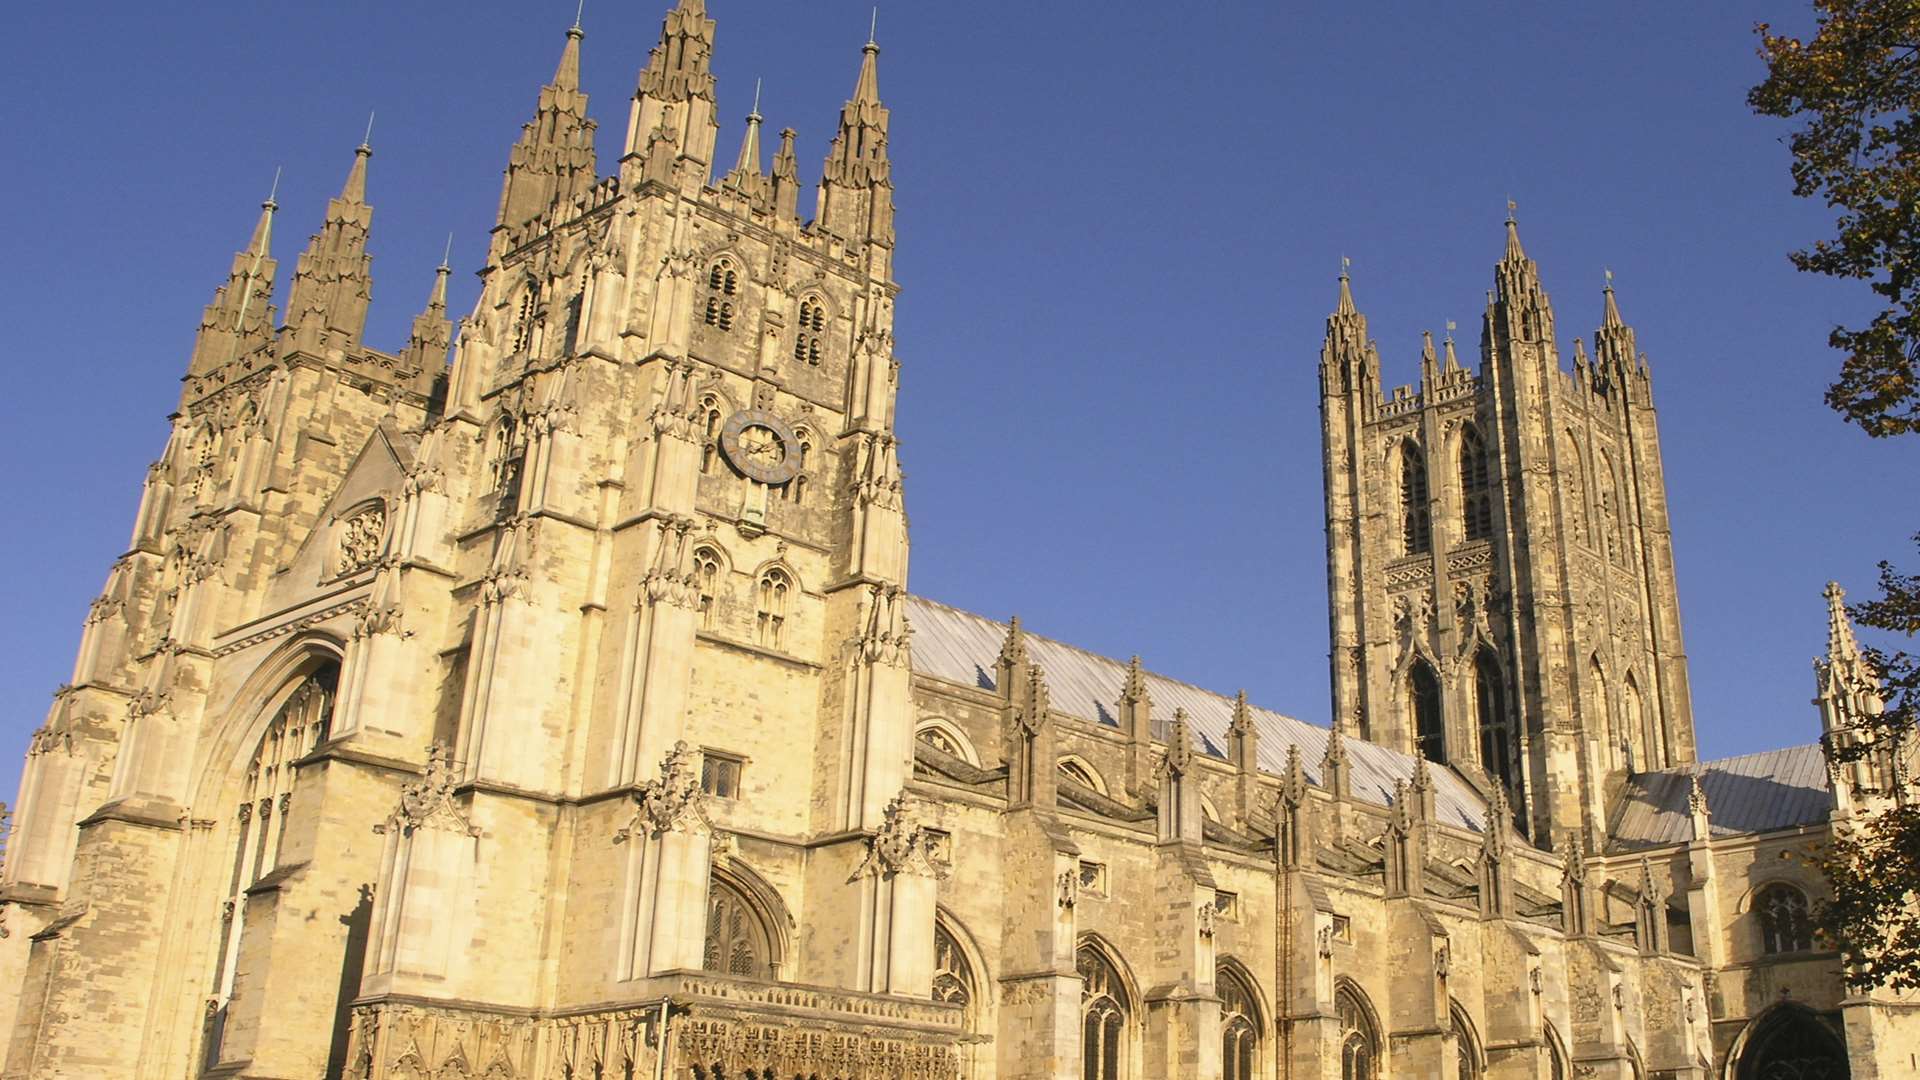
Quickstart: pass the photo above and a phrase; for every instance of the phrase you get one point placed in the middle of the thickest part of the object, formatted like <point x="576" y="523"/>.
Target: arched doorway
<point x="1790" y="1043"/>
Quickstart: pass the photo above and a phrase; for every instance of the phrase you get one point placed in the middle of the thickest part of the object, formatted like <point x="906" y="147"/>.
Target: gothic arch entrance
<point x="1791" y="1044"/>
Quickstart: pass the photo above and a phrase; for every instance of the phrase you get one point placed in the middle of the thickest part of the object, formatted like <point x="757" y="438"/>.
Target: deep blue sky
<point x="1119" y="228"/>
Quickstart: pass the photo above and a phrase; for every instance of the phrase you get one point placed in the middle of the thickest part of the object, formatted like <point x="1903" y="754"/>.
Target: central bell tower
<point x="1500" y="565"/>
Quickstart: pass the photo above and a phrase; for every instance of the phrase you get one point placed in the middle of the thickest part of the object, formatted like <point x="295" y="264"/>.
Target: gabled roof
<point x="961" y="647"/>
<point x="1752" y="793"/>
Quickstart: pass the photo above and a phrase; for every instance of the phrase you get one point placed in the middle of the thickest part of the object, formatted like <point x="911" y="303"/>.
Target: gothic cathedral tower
<point x="1500" y="568"/>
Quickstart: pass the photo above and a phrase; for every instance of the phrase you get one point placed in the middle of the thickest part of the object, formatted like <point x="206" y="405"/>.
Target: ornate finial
<point x="1607" y="272"/>
<point x="366" y="141"/>
<point x="578" y="11"/>
<point x="873" y="28"/>
<point x="755" y="114"/>
<point x="1134" y="690"/>
<point x="901" y="845"/>
<point x="273" y="192"/>
<point x="673" y="803"/>
<point x="446" y="257"/>
<point x="1511" y="207"/>
<point x="1179" y="747"/>
<point x="1451" y="327"/>
<point x="1696" y="797"/>
<point x="1345" y="265"/>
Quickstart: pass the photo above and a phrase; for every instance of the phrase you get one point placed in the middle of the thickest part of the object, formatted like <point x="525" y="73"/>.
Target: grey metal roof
<point x="961" y="647"/>
<point x="1775" y="789"/>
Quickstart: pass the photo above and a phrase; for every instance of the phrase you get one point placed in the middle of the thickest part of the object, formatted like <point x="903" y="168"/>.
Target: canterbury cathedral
<point x="544" y="699"/>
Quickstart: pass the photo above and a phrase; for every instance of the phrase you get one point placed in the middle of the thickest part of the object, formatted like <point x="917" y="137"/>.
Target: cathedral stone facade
<point x="562" y="712"/>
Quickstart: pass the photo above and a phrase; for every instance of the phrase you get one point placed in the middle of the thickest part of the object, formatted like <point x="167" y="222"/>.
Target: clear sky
<point x="1119" y="223"/>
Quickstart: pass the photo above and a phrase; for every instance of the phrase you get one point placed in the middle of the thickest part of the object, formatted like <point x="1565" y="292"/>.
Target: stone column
<point x="669" y="854"/>
<point x="897" y="883"/>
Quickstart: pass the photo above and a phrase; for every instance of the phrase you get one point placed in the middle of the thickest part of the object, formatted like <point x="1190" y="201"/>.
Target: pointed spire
<point x="566" y="74"/>
<point x="1842" y="646"/>
<point x="1429" y="362"/>
<point x="1514" y="252"/>
<point x="552" y="165"/>
<point x="355" y="189"/>
<point x="1611" y="316"/>
<point x="856" y="189"/>
<point x="1344" y="306"/>
<point x="1333" y="765"/>
<point x="1451" y="363"/>
<point x="432" y="331"/>
<point x="672" y="118"/>
<point x="1242" y="721"/>
<point x="746" y="179"/>
<point x="333" y="282"/>
<point x="241" y="314"/>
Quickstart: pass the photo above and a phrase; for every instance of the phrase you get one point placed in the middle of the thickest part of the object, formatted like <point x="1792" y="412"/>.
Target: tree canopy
<point x="1854" y="90"/>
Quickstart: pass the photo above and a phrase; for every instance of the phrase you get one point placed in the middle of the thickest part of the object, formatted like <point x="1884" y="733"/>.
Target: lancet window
<point x="952" y="974"/>
<point x="710" y="420"/>
<point x="795" y="490"/>
<point x="723" y="281"/>
<point x="1239" y="1025"/>
<point x="1496" y="732"/>
<point x="1599" y="710"/>
<point x="706" y="578"/>
<point x="1556" y="1055"/>
<point x="1466" y="1049"/>
<point x="1610" y="509"/>
<point x="1416" y="513"/>
<point x="737" y="942"/>
<point x="1359" y="1038"/>
<point x="1785" y="925"/>
<point x="1103" y="1016"/>
<point x="1638" y="727"/>
<point x="1476" y="490"/>
<point x="771" y="618"/>
<point x="1573" y="468"/>
<point x="1429" y="723"/>
<point x="299" y="724"/>
<point x="808" y="347"/>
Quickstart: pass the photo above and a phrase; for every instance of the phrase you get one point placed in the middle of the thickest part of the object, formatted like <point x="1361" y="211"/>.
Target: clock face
<point x="761" y="446"/>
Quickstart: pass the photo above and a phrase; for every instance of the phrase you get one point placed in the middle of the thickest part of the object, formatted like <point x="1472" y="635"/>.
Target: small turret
<point x="553" y="163"/>
<point x="672" y="127"/>
<point x="746" y="180"/>
<point x="1520" y="309"/>
<point x="856" y="189"/>
<point x="333" y="282"/>
<point x="786" y="178"/>
<point x="1614" y="352"/>
<point x="240" y="318"/>
<point x="432" y="331"/>
<point x="1348" y="360"/>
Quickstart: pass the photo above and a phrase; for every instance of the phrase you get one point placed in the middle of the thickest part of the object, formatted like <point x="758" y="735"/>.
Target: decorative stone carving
<point x="360" y="537"/>
<point x="428" y="802"/>
<point x="902" y="846"/>
<point x="1204" y="918"/>
<point x="673" y="803"/>
<point x="1069" y="885"/>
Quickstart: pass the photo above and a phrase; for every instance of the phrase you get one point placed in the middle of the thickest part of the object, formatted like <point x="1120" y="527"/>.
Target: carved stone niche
<point x="360" y="538"/>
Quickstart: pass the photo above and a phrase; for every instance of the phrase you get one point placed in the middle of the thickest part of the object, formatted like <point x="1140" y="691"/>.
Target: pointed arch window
<point x="1610" y="509"/>
<point x="723" y="281"/>
<point x="1359" y="1038"/>
<point x="953" y="980"/>
<point x="795" y="490"/>
<point x="1239" y="1025"/>
<point x="737" y="942"/>
<point x="299" y="724"/>
<point x="523" y="322"/>
<point x="1465" y="1047"/>
<point x="1789" y="1041"/>
<point x="1573" y="468"/>
<point x="941" y="741"/>
<point x="710" y="420"/>
<point x="1556" y="1055"/>
<point x="706" y="579"/>
<point x="1599" y="709"/>
<point x="810" y="327"/>
<point x="1429" y="722"/>
<point x="1638" y="726"/>
<point x="1496" y="732"/>
<point x="771" y="617"/>
<point x="1476" y="490"/>
<point x="1104" y="1009"/>
<point x="1079" y="774"/>
<point x="1785" y="923"/>
<point x="1416" y="513"/>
